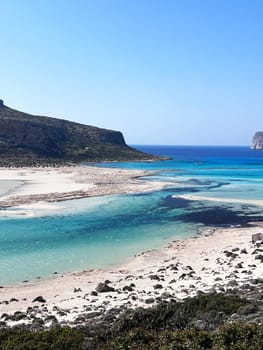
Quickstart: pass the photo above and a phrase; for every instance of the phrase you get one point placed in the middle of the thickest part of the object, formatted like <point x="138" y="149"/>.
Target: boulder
<point x="104" y="288"/>
<point x="39" y="299"/>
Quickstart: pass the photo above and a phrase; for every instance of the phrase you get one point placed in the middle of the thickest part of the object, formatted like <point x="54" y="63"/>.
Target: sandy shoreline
<point x="191" y="197"/>
<point x="215" y="260"/>
<point x="66" y="183"/>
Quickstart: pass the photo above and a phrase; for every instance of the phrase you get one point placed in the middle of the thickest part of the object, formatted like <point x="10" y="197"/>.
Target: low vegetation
<point x="197" y="323"/>
<point x="29" y="140"/>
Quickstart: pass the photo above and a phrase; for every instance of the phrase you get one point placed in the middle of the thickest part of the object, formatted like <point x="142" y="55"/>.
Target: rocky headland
<point x="30" y="140"/>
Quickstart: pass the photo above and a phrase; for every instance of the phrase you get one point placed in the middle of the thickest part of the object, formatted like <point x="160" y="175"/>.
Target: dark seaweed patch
<point x="218" y="185"/>
<point x="175" y="202"/>
<point x="195" y="189"/>
<point x="181" y="190"/>
<point x="198" y="182"/>
<point x="217" y="216"/>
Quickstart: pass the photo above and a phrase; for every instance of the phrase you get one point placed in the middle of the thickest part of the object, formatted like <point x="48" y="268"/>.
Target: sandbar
<point x="65" y="183"/>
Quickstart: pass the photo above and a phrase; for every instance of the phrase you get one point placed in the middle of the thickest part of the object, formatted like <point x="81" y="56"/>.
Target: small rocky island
<point x="30" y="140"/>
<point x="257" y="141"/>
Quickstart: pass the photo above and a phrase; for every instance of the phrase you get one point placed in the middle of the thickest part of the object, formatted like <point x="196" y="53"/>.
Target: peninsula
<point x="30" y="140"/>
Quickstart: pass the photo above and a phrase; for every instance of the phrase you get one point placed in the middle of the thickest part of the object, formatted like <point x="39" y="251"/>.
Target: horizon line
<point x="180" y="145"/>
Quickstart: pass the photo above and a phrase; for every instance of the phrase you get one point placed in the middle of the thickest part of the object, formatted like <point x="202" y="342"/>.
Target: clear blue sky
<point x="161" y="71"/>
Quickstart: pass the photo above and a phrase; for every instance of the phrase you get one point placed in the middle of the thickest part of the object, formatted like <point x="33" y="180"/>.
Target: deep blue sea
<point x="208" y="186"/>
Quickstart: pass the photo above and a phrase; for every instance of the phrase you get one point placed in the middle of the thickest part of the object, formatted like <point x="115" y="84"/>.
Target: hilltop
<point x="28" y="140"/>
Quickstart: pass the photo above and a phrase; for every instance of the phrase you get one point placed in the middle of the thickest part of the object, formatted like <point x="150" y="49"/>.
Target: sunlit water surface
<point x="103" y="232"/>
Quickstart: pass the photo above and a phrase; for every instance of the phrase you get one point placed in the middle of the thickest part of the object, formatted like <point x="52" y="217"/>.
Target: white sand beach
<point x="215" y="260"/>
<point x="220" y="199"/>
<point x="45" y="185"/>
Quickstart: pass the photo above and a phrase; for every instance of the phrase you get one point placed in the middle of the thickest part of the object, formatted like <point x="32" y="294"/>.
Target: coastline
<point x="192" y="197"/>
<point x="47" y="185"/>
<point x="217" y="260"/>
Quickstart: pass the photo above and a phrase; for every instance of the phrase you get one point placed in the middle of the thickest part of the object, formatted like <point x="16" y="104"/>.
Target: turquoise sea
<point x="102" y="232"/>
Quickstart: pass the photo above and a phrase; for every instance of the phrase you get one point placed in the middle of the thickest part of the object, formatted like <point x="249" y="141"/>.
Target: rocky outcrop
<point x="257" y="142"/>
<point x="31" y="140"/>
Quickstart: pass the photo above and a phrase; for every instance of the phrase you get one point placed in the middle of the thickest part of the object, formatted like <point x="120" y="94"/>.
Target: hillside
<point x="36" y="140"/>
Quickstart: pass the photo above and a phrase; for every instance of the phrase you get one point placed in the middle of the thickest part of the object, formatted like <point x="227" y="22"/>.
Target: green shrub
<point x="174" y="315"/>
<point x="168" y="326"/>
<point x="57" y="339"/>
<point x="239" y="337"/>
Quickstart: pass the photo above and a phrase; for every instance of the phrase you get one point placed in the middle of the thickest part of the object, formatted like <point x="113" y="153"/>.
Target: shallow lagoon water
<point x="102" y="232"/>
<point x="118" y="228"/>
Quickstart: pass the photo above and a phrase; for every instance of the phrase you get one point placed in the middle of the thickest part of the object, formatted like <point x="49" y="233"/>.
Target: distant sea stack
<point x="30" y="140"/>
<point x="257" y="141"/>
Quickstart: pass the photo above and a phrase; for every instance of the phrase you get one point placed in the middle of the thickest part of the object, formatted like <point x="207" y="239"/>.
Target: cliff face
<point x="27" y="140"/>
<point x="257" y="141"/>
